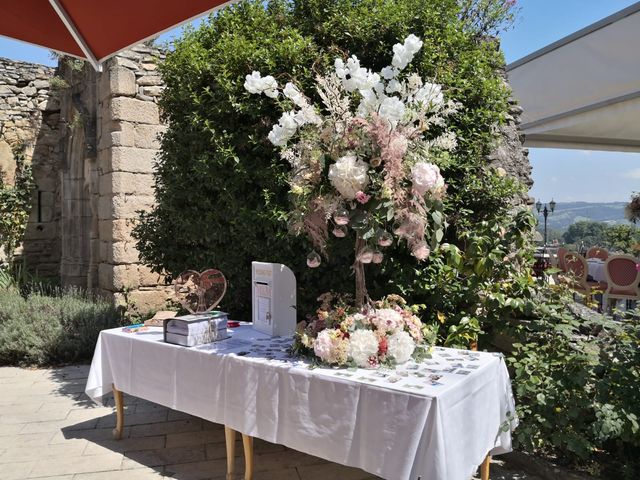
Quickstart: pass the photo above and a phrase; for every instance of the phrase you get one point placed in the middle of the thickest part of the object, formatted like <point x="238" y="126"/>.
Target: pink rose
<point x="362" y="197"/>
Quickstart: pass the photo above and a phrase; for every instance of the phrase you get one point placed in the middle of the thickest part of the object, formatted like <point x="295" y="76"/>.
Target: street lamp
<point x="545" y="212"/>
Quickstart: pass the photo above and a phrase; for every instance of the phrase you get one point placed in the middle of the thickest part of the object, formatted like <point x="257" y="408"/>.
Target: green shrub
<point x="577" y="385"/>
<point x="51" y="329"/>
<point x="221" y="187"/>
<point x="15" y="204"/>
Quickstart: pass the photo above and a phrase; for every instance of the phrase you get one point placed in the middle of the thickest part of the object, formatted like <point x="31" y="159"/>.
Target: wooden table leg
<point x="484" y="468"/>
<point x="117" y="395"/>
<point x="247" y="443"/>
<point x="230" y="439"/>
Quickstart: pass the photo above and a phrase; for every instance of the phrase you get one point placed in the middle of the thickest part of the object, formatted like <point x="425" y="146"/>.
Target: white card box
<point x="273" y="289"/>
<point x="196" y="329"/>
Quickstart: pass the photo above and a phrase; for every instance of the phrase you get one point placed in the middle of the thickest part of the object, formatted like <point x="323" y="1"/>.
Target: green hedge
<point x="222" y="195"/>
<point x="40" y="329"/>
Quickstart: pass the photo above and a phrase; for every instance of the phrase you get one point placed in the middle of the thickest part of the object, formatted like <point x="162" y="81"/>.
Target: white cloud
<point x="635" y="174"/>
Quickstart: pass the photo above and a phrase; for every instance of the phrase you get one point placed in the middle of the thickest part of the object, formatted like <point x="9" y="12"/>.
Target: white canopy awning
<point x="583" y="91"/>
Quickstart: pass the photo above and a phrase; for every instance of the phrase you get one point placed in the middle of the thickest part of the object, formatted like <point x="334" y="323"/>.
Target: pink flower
<point x="362" y="197"/>
<point x="421" y="251"/>
<point x="638" y="267"/>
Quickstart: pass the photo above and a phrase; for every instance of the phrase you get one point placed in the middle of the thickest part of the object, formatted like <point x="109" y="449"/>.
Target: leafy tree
<point x="221" y="189"/>
<point x="591" y="233"/>
<point x="623" y="238"/>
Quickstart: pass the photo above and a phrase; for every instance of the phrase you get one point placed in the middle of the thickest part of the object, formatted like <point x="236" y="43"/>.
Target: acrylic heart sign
<point x="200" y="292"/>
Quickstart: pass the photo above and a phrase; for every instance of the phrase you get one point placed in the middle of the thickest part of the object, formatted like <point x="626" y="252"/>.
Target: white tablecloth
<point x="596" y="269"/>
<point x="435" y="420"/>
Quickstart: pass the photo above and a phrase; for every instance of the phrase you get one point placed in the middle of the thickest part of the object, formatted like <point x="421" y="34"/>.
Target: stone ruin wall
<point x="93" y="146"/>
<point x="92" y="140"/>
<point x="29" y="116"/>
<point x="129" y="121"/>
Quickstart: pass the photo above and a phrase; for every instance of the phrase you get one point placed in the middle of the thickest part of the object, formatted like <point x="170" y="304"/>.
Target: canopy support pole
<point x="66" y="19"/>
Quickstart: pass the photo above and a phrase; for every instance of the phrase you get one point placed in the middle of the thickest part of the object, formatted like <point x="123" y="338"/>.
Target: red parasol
<point x="95" y="30"/>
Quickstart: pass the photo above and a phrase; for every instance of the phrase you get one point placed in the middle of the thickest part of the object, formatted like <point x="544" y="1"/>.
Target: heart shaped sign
<point x="200" y="292"/>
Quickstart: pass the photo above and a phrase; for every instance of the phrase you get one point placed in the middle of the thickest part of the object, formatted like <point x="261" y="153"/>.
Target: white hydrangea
<point x="284" y="130"/>
<point x="349" y="176"/>
<point x="426" y="177"/>
<point x="256" y="84"/>
<point x="291" y="92"/>
<point x="400" y="346"/>
<point x="392" y="108"/>
<point x="430" y="94"/>
<point x="403" y="53"/>
<point x="363" y="344"/>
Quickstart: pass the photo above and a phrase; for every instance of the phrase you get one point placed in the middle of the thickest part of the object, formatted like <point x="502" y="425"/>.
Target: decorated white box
<point x="273" y="288"/>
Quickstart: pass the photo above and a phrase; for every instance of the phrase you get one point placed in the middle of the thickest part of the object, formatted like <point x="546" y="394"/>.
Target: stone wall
<point x="29" y="116"/>
<point x="509" y="152"/>
<point x="129" y="126"/>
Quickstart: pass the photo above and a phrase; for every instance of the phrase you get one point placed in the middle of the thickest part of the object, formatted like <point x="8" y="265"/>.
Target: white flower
<point x="394" y="86"/>
<point x="392" y="109"/>
<point x="354" y="77"/>
<point x="387" y="320"/>
<point x="403" y="53"/>
<point x="430" y="94"/>
<point x="349" y="176"/>
<point x="426" y="177"/>
<point x="358" y="317"/>
<point x="369" y="103"/>
<point x="254" y="83"/>
<point x="363" y="344"/>
<point x="307" y="114"/>
<point x="389" y="72"/>
<point x="446" y="141"/>
<point x="414" y="81"/>
<point x="400" y="346"/>
<point x="291" y="92"/>
<point x="284" y="130"/>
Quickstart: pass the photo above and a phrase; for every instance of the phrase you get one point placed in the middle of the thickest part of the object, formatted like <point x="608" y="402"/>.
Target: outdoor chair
<point x="623" y="279"/>
<point x="560" y="258"/>
<point x="575" y="276"/>
<point x="598" y="252"/>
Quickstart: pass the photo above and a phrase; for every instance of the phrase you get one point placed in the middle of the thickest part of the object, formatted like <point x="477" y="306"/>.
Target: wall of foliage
<point x="222" y="195"/>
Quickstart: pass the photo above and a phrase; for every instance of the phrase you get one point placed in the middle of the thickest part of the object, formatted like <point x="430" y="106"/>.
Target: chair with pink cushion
<point x="623" y="279"/>
<point x="575" y="275"/>
<point x="560" y="258"/>
<point x="598" y="252"/>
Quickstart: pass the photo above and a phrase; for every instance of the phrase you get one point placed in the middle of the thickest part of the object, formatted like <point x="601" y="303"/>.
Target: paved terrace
<point x="50" y="429"/>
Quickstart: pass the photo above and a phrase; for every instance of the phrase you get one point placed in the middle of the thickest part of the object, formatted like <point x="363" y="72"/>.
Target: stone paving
<point x="50" y="429"/>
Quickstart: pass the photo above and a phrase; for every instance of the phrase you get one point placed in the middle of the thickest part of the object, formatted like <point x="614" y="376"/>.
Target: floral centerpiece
<point x="362" y="166"/>
<point x="386" y="333"/>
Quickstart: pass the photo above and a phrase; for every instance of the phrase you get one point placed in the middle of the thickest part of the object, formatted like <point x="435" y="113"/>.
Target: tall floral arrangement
<point x="363" y="159"/>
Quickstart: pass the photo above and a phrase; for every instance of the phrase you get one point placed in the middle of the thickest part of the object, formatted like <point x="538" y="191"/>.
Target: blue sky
<point x="565" y="175"/>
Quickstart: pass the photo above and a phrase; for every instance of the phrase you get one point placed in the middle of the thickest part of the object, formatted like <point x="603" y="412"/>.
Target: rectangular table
<point x="399" y="424"/>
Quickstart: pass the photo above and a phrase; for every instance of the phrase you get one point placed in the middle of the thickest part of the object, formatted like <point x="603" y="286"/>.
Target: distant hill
<point x="570" y="212"/>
